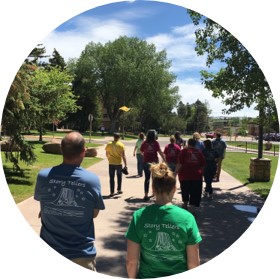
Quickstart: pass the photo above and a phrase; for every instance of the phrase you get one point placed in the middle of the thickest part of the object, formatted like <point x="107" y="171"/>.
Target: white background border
<point x="24" y="23"/>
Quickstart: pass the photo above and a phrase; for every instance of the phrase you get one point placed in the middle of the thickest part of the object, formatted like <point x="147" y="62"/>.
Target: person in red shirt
<point x="150" y="149"/>
<point x="190" y="165"/>
<point x="171" y="152"/>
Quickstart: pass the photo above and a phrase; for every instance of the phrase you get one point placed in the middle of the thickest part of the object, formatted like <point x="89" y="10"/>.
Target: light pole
<point x="123" y="109"/>
<point x="90" y="118"/>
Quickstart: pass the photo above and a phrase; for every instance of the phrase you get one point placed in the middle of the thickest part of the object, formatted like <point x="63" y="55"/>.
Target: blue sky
<point x="165" y="25"/>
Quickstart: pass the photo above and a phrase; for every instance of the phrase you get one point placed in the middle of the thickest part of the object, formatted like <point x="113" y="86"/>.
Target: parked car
<point x="270" y="137"/>
<point x="210" y="135"/>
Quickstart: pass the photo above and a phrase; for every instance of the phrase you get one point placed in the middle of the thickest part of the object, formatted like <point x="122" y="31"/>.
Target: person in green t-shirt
<point x="138" y="154"/>
<point x="162" y="239"/>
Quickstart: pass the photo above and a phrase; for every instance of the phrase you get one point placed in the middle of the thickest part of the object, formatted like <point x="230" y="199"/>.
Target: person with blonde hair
<point x="162" y="238"/>
<point x="198" y="143"/>
<point x="150" y="149"/>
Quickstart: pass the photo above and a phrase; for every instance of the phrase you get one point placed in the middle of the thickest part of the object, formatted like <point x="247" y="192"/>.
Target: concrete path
<point x="221" y="221"/>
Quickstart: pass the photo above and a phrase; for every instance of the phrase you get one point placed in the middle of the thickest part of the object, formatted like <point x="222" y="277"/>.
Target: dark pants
<point x="191" y="191"/>
<point x="209" y="173"/>
<point x="147" y="177"/>
<point x="112" y="170"/>
<point x="139" y="163"/>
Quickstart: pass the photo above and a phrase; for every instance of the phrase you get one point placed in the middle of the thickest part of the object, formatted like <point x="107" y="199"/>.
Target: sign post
<point x="90" y="118"/>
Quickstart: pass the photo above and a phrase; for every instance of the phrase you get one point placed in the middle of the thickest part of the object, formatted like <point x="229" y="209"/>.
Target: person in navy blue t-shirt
<point x="70" y="198"/>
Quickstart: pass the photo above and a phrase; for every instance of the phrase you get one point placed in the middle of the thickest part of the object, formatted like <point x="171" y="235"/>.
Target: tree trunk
<point x="40" y="134"/>
<point x="113" y="125"/>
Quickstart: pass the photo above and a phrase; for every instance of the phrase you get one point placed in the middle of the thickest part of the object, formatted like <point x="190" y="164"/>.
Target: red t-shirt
<point x="192" y="163"/>
<point x="171" y="152"/>
<point x="150" y="150"/>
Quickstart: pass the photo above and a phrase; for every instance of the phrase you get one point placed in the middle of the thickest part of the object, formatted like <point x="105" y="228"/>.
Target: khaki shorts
<point x="88" y="263"/>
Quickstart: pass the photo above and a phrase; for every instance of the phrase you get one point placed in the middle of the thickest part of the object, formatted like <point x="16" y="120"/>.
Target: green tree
<point x="84" y="88"/>
<point x="57" y="60"/>
<point x="239" y="82"/>
<point x="127" y="72"/>
<point x="36" y="54"/>
<point x="182" y="110"/>
<point x="15" y="117"/>
<point x="51" y="97"/>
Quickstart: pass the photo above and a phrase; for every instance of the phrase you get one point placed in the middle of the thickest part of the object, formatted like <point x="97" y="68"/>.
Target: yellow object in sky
<point x="124" y="108"/>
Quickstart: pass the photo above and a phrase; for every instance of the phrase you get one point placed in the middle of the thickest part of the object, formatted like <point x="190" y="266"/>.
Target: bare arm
<point x="178" y="167"/>
<point x="124" y="158"/>
<point x="162" y="155"/>
<point x="134" y="151"/>
<point x="95" y="212"/>
<point x="132" y="258"/>
<point x="193" y="256"/>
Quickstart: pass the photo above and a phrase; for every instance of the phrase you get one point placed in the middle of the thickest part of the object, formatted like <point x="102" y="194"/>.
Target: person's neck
<point x="72" y="162"/>
<point x="163" y="200"/>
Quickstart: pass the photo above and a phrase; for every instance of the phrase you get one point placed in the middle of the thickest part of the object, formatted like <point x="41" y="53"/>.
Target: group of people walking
<point x="192" y="161"/>
<point x="70" y="198"/>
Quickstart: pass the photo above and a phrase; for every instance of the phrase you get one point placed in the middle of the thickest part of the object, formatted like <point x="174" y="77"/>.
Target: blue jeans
<point x="139" y="164"/>
<point x="112" y="170"/>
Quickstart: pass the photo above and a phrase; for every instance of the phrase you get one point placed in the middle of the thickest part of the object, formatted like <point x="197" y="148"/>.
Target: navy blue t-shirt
<point x="68" y="196"/>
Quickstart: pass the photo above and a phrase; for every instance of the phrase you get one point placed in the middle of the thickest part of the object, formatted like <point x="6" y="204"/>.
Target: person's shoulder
<point x="45" y="171"/>
<point x="88" y="175"/>
<point x="141" y="211"/>
<point x="181" y="212"/>
<point x="121" y="144"/>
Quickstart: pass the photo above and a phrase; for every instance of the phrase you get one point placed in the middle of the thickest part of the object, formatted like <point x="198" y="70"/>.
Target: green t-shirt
<point x="138" y="145"/>
<point x="163" y="233"/>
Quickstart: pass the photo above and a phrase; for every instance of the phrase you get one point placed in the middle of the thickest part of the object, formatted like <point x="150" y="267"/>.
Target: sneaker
<point x="111" y="195"/>
<point x="120" y="192"/>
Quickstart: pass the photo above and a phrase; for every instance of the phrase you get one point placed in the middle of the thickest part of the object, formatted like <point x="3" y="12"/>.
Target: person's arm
<point x="95" y="212"/>
<point x="162" y="156"/>
<point x="178" y="167"/>
<point x="124" y="158"/>
<point x="132" y="258"/>
<point x="134" y="151"/>
<point x="193" y="259"/>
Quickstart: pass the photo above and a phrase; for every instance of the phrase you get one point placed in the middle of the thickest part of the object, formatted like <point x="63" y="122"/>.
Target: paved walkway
<point x="221" y="222"/>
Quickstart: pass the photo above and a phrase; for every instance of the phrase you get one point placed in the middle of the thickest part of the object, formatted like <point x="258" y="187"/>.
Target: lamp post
<point x="123" y="109"/>
<point x="90" y="118"/>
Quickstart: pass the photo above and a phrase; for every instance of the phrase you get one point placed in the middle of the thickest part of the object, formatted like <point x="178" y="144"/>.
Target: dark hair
<point x="163" y="179"/>
<point x="208" y="144"/>
<point x="151" y="135"/>
<point x="177" y="135"/>
<point x="141" y="136"/>
<point x="218" y="134"/>
<point x="72" y="145"/>
<point x="192" y="142"/>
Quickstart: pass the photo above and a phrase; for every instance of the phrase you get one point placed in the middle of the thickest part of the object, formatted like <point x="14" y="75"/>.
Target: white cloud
<point x="179" y="45"/>
<point x="192" y="90"/>
<point x="71" y="43"/>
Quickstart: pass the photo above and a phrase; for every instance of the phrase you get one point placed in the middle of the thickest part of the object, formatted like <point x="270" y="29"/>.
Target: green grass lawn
<point x="22" y="184"/>
<point x="238" y="165"/>
<point x="252" y="145"/>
